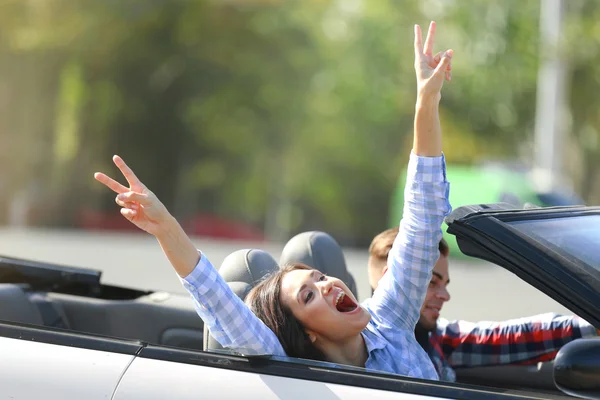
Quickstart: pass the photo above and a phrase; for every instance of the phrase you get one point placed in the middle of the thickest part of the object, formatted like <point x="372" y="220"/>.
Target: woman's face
<point x="324" y="305"/>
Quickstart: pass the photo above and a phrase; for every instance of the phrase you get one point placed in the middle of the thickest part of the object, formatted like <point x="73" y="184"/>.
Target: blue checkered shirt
<point x="395" y="305"/>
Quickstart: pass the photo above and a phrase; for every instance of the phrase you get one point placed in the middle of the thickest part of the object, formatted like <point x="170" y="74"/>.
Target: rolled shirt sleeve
<point x="401" y="291"/>
<point x="228" y="318"/>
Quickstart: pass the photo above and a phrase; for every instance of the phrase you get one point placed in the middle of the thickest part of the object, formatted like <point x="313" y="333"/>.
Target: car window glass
<point x="573" y="237"/>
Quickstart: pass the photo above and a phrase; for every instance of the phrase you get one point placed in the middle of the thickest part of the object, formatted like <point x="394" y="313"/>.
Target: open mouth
<point x="344" y="303"/>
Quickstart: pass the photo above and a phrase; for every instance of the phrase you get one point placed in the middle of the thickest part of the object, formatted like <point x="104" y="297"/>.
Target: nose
<point x="326" y="287"/>
<point x="443" y="294"/>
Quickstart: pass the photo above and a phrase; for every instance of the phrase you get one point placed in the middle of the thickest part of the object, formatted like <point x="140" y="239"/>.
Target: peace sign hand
<point x="139" y="205"/>
<point x="431" y="70"/>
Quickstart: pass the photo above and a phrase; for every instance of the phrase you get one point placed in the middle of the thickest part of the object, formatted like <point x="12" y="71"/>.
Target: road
<point x="480" y="290"/>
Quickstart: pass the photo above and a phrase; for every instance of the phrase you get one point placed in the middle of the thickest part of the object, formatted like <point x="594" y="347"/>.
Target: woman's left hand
<point x="431" y="70"/>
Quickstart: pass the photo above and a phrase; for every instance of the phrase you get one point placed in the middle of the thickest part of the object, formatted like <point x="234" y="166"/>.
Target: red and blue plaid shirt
<point x="455" y="344"/>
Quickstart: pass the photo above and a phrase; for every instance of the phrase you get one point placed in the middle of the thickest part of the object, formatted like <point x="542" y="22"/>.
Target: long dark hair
<point x="265" y="302"/>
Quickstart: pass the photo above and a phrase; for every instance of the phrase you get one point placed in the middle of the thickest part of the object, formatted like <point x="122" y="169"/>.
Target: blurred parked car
<point x="201" y="224"/>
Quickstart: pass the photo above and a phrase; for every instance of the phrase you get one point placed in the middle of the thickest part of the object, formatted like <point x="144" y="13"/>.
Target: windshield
<point x="573" y="237"/>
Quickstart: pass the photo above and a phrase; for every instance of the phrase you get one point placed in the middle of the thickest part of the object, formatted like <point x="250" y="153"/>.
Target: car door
<point x="39" y="363"/>
<point x="154" y="379"/>
<point x="167" y="373"/>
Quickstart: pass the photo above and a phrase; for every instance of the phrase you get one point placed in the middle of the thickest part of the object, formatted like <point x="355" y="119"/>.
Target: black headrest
<point x="242" y="270"/>
<point x="320" y="251"/>
<point x="248" y="265"/>
<point x="15" y="306"/>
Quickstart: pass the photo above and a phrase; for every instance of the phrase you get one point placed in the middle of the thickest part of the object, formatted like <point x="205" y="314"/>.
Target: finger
<point x="126" y="204"/>
<point x="449" y="71"/>
<point x="418" y="42"/>
<point x="441" y="68"/>
<point x="429" y="40"/>
<point x="436" y="59"/>
<point x="110" y="183"/>
<point x="128" y="213"/>
<point x="126" y="171"/>
<point x="131" y="197"/>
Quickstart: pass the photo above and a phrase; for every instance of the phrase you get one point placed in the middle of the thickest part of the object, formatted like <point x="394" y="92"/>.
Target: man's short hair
<point x="443" y="248"/>
<point x="382" y="244"/>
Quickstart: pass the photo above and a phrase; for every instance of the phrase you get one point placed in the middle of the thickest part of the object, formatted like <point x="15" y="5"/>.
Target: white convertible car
<point x="64" y="335"/>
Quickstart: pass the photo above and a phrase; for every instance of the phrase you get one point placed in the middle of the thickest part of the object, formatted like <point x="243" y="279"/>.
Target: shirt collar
<point x="373" y="339"/>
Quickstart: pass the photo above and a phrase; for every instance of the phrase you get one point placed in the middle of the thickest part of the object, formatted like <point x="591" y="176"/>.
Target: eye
<point x="308" y="296"/>
<point x="323" y="277"/>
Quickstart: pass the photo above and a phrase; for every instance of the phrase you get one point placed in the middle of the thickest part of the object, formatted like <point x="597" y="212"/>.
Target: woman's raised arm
<point x="401" y="291"/>
<point x="230" y="321"/>
<point x="143" y="209"/>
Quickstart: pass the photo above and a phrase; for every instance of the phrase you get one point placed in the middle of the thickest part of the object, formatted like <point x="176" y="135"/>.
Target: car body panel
<point x="34" y="370"/>
<point x="156" y="379"/>
<point x="285" y="377"/>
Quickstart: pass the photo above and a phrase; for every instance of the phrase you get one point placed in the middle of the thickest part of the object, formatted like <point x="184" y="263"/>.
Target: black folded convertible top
<point x="45" y="276"/>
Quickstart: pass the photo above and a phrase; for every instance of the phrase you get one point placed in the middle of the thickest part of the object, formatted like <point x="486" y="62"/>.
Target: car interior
<point x="53" y="296"/>
<point x="47" y="295"/>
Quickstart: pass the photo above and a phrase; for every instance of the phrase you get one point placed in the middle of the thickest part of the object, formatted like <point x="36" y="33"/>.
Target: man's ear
<point x="311" y="336"/>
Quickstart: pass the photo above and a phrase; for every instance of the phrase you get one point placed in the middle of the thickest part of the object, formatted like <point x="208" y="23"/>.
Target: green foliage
<point x="286" y="115"/>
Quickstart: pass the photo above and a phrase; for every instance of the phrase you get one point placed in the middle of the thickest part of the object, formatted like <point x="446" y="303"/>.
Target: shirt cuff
<point x="587" y="330"/>
<point x="201" y="276"/>
<point x="427" y="169"/>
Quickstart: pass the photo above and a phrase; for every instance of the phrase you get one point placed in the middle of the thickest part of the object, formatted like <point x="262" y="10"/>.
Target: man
<point x="465" y="344"/>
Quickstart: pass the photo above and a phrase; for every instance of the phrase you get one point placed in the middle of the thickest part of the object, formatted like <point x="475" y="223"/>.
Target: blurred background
<point x="254" y="120"/>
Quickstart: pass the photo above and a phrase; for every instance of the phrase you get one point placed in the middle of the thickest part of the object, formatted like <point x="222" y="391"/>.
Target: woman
<point x="299" y="311"/>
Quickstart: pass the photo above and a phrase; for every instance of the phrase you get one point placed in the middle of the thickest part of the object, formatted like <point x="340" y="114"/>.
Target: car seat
<point x="242" y="270"/>
<point x="17" y="305"/>
<point x="320" y="251"/>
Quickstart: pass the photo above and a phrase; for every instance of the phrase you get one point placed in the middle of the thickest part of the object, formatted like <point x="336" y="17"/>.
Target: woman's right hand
<point x="139" y="205"/>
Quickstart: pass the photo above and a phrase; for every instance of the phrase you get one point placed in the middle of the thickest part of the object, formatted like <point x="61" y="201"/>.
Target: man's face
<point x="437" y="291"/>
<point x="437" y="294"/>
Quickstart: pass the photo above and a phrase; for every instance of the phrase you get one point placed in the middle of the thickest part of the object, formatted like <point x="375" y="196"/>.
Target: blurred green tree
<point x="287" y="116"/>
